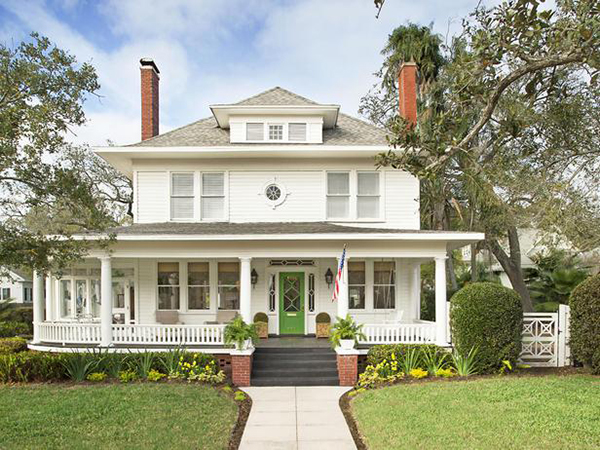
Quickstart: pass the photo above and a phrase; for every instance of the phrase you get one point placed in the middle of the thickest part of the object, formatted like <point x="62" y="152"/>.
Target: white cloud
<point x="212" y="51"/>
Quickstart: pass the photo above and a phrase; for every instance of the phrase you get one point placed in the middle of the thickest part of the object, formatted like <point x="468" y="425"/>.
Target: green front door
<point x="291" y="303"/>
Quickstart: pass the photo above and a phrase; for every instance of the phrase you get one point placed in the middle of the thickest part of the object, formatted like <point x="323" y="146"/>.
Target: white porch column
<point x="416" y="289"/>
<point x="49" y="298"/>
<point x="245" y="289"/>
<point x="441" y="313"/>
<point x="342" y="306"/>
<point x="38" y="304"/>
<point x="106" y="301"/>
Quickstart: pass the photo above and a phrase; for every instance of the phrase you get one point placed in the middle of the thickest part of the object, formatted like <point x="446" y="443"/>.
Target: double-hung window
<point x="5" y="293"/>
<point x="168" y="285"/>
<point x="384" y="285"/>
<point x="229" y="285"/>
<point x="255" y="131"/>
<point x="297" y="132"/>
<point x="367" y="195"/>
<point x="338" y="195"/>
<point x="198" y="285"/>
<point x="213" y="195"/>
<point x="356" y="284"/>
<point x="182" y="196"/>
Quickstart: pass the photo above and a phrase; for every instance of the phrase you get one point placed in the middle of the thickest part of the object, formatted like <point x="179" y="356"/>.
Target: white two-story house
<point x="247" y="211"/>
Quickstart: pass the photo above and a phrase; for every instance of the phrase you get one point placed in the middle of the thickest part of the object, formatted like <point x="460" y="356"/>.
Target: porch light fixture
<point x="329" y="277"/>
<point x="254" y="277"/>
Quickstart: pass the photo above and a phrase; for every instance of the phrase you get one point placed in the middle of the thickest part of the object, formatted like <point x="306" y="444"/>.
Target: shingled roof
<point x="206" y="132"/>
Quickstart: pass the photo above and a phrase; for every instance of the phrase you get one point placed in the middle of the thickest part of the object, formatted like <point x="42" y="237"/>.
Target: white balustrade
<point x="403" y="333"/>
<point x="90" y="333"/>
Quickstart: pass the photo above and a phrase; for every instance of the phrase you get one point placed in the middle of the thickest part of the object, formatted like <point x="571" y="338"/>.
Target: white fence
<point x="546" y="339"/>
<point x="416" y="333"/>
<point x="89" y="333"/>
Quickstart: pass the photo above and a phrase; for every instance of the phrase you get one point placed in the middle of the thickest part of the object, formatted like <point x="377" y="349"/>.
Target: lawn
<point x="550" y="412"/>
<point x="115" y="416"/>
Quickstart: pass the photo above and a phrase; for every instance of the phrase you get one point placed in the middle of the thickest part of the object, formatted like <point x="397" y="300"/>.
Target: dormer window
<point x="297" y="132"/>
<point x="255" y="131"/>
<point x="275" y="132"/>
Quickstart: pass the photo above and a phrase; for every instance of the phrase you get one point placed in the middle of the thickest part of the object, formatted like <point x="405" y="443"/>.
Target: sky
<point x="219" y="51"/>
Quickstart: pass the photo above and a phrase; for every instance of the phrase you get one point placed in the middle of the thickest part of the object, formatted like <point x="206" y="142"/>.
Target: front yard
<point x="545" y="412"/>
<point x="161" y="415"/>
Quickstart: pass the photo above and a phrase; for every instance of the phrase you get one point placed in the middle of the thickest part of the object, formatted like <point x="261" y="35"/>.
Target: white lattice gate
<point x="546" y="339"/>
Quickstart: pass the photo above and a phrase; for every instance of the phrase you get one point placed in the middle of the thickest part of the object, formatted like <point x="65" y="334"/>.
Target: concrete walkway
<point x="296" y="418"/>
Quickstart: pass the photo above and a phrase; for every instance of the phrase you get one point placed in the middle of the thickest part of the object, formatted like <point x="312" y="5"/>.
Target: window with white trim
<point x="255" y="131"/>
<point x="213" y="195"/>
<point x="338" y="195"/>
<point x="198" y="286"/>
<point x="229" y="285"/>
<point x="367" y="195"/>
<point x="297" y="132"/>
<point x="168" y="285"/>
<point x="356" y="284"/>
<point x="276" y="132"/>
<point x="384" y="285"/>
<point x="5" y="293"/>
<point x="182" y="196"/>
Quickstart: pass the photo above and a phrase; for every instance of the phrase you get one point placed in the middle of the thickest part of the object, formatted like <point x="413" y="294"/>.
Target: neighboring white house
<point x="248" y="211"/>
<point x="16" y="286"/>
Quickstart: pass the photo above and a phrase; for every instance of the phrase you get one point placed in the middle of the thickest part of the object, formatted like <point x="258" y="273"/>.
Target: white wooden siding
<point x="152" y="196"/>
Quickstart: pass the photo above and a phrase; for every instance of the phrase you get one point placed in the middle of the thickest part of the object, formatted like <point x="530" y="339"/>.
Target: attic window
<point x="275" y="132"/>
<point x="254" y="132"/>
<point x="297" y="132"/>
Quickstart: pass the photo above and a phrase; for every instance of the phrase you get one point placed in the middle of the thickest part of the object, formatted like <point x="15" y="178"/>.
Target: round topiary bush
<point x="489" y="317"/>
<point x="585" y="319"/>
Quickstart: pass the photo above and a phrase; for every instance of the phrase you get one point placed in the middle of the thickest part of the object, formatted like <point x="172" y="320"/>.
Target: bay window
<point x="198" y="286"/>
<point x="168" y="285"/>
<point x="356" y="284"/>
<point x="338" y="195"/>
<point x="182" y="196"/>
<point x="229" y="285"/>
<point x="384" y="285"/>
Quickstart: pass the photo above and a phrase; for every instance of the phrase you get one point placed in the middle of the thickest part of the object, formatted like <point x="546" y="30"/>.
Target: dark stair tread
<point x="271" y="350"/>
<point x="293" y="356"/>
<point x="294" y="372"/>
<point x="295" y="381"/>
<point x="293" y="363"/>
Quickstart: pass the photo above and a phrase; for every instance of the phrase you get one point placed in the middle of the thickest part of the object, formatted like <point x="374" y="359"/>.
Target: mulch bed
<point x="346" y="406"/>
<point x="244" y="408"/>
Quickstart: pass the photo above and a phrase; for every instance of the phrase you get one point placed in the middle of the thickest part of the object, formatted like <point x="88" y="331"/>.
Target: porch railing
<point x="69" y="333"/>
<point x="403" y="333"/>
<point x="169" y="334"/>
<point x="89" y="333"/>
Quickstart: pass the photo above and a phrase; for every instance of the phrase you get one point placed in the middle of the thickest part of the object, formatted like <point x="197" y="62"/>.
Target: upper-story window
<point x="297" y="132"/>
<point x="182" y="196"/>
<point x="353" y="195"/>
<point x="213" y="195"/>
<point x="255" y="131"/>
<point x="338" y="195"/>
<point x="275" y="132"/>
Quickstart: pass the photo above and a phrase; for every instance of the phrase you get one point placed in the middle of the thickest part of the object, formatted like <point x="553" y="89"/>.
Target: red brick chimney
<point x="407" y="90"/>
<point x="149" y="77"/>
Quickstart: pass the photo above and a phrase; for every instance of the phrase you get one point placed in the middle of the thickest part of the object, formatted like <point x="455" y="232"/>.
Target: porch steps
<point x="294" y="367"/>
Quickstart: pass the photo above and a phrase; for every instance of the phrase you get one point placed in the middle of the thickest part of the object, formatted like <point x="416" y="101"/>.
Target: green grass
<point x="130" y="416"/>
<point x="551" y="412"/>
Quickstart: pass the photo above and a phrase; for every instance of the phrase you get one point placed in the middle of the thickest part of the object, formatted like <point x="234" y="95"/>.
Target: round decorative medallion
<point x="273" y="192"/>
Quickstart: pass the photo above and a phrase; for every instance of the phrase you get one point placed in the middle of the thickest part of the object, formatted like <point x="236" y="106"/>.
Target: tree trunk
<point x="474" y="263"/>
<point x="512" y="265"/>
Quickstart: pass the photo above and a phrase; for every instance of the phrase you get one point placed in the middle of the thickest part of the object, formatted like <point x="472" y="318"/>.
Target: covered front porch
<point x="165" y="293"/>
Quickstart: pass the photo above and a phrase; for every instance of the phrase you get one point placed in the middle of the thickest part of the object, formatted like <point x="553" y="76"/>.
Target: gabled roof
<point x="206" y="132"/>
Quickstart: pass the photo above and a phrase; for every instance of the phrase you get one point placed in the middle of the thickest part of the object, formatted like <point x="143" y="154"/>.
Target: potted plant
<point x="241" y="334"/>
<point x="261" y="322"/>
<point x="323" y="324"/>
<point x="345" y="333"/>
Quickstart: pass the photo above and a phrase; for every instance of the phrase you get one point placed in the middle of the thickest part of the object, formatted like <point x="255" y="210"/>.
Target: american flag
<point x="338" y="277"/>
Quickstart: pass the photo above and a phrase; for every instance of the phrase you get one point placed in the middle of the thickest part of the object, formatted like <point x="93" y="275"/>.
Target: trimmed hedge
<point x="12" y="345"/>
<point x="596" y="362"/>
<point x="585" y="319"/>
<point x="11" y="329"/>
<point x="489" y="317"/>
<point x="21" y="314"/>
<point x="378" y="353"/>
<point x="32" y="366"/>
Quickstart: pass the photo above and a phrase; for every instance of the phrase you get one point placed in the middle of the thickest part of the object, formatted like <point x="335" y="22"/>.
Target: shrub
<point x="489" y="317"/>
<point x="31" y="366"/>
<point x="18" y="314"/>
<point x="198" y="367"/>
<point x="12" y="345"/>
<point x="127" y="376"/>
<point x="585" y="319"/>
<point x="465" y="364"/>
<point x="142" y="363"/>
<point x="239" y="396"/>
<point x="261" y="317"/>
<point x="11" y="329"/>
<point x="418" y="373"/>
<point x="323" y="317"/>
<point x="79" y="365"/>
<point x="155" y="375"/>
<point x="384" y="372"/>
<point x="378" y="353"/>
<point x="596" y="362"/>
<point x="445" y="373"/>
<point x="170" y="360"/>
<point x="96" y="377"/>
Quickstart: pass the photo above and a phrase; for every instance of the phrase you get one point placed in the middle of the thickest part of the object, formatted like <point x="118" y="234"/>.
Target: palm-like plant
<point x="346" y="328"/>
<point x="238" y="332"/>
